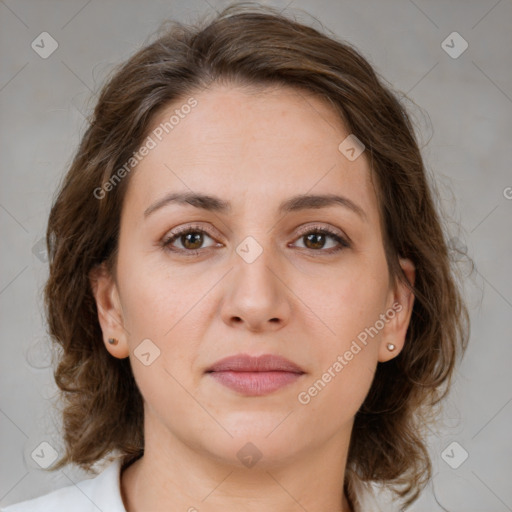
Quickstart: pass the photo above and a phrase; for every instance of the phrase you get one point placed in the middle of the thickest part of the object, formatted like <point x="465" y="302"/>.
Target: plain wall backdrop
<point x="465" y="128"/>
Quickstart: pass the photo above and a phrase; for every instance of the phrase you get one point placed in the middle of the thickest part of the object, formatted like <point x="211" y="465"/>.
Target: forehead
<point x="250" y="145"/>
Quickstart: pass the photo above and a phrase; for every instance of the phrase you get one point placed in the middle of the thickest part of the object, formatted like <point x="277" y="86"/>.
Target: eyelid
<point x="321" y="227"/>
<point x="209" y="230"/>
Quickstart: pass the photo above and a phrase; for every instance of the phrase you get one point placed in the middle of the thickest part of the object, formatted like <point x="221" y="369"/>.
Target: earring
<point x="112" y="341"/>
<point x="390" y="347"/>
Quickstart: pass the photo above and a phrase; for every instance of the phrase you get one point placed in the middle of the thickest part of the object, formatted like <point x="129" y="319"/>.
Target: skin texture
<point x="254" y="149"/>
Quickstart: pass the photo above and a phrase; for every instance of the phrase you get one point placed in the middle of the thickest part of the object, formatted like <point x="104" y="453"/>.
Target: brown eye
<point x="316" y="240"/>
<point x="190" y="239"/>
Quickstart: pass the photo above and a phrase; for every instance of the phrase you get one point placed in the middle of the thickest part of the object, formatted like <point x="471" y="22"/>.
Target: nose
<point x="256" y="296"/>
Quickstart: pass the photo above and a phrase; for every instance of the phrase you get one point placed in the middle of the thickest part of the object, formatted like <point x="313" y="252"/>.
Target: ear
<point x="400" y="304"/>
<point x="110" y="313"/>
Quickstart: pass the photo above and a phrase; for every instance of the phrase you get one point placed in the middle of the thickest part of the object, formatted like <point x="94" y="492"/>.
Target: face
<point x="252" y="272"/>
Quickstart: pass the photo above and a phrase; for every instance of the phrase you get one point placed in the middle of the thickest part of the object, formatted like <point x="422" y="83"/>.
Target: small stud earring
<point x="390" y="347"/>
<point x="112" y="341"/>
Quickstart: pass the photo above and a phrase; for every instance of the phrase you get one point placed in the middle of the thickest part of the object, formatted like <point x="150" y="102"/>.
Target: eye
<point x="315" y="240"/>
<point x="191" y="239"/>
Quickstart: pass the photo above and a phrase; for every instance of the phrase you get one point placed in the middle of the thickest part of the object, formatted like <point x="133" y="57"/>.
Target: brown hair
<point x="253" y="46"/>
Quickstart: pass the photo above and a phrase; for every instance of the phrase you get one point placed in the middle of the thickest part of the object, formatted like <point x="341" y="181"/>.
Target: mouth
<point x="255" y="376"/>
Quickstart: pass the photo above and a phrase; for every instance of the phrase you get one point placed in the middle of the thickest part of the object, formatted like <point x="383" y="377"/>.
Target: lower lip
<point x="255" y="383"/>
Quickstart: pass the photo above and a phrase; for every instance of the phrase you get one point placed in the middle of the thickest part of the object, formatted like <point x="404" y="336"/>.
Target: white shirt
<point x="103" y="493"/>
<point x="100" y="493"/>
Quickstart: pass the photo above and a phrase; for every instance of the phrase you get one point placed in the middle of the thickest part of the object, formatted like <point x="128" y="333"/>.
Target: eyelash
<point x="167" y="241"/>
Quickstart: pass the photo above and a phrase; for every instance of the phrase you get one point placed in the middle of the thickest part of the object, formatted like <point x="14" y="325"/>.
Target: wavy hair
<point x="253" y="46"/>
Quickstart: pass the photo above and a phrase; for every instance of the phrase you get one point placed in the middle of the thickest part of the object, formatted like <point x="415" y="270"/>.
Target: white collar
<point x="102" y="493"/>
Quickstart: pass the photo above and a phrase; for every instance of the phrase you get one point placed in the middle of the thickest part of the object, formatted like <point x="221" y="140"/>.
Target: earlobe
<point x="110" y="314"/>
<point x="399" y="313"/>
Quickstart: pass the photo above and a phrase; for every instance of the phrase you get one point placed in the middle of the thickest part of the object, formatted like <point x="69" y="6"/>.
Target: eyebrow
<point x="293" y="204"/>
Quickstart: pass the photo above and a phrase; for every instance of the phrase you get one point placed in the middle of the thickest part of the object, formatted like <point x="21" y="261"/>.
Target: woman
<point x="249" y="281"/>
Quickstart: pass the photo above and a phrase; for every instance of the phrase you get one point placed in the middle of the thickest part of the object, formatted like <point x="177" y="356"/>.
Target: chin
<point x="254" y="453"/>
<point x="260" y="442"/>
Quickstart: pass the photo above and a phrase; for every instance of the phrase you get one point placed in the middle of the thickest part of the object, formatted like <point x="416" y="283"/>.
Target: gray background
<point x="467" y="147"/>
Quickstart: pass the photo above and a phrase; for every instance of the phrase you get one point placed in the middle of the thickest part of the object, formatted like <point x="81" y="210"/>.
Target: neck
<point x="175" y="476"/>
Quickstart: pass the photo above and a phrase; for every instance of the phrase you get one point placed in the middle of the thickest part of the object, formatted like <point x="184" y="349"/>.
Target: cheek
<point x="162" y="305"/>
<point x="350" y="305"/>
<point x="343" y="376"/>
<point x="155" y="294"/>
<point x="350" y="301"/>
<point x="163" y="393"/>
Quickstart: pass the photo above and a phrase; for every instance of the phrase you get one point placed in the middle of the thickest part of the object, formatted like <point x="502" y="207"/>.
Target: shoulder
<point x="103" y="492"/>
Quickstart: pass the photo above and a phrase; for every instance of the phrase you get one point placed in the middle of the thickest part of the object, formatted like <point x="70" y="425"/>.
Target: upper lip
<point x="247" y="363"/>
